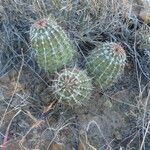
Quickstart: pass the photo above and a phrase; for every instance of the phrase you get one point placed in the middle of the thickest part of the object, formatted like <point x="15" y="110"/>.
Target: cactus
<point x="53" y="49"/>
<point x="106" y="63"/>
<point x="72" y="86"/>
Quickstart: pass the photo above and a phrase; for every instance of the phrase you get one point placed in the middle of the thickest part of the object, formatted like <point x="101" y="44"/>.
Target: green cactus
<point x="53" y="49"/>
<point x="72" y="86"/>
<point x="105" y="63"/>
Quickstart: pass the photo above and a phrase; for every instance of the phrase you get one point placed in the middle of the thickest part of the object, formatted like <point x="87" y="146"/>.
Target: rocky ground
<point x="115" y="119"/>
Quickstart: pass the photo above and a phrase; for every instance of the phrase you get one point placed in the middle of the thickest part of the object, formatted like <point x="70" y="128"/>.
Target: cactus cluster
<point x="72" y="86"/>
<point x="105" y="63"/>
<point x="53" y="49"/>
<point x="54" y="52"/>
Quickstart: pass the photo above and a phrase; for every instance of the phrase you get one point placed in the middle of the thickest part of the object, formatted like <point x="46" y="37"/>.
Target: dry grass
<point x="29" y="116"/>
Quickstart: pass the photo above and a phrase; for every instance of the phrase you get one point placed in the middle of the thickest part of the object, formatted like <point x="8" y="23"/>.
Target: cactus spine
<point x="52" y="47"/>
<point x="105" y="63"/>
<point x="72" y="86"/>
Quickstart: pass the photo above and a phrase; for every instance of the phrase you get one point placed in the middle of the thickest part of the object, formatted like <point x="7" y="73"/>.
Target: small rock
<point x="145" y="12"/>
<point x="108" y="104"/>
<point x="145" y="15"/>
<point x="117" y="135"/>
<point x="56" y="146"/>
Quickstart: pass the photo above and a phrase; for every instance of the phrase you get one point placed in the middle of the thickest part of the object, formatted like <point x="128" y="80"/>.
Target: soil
<point x="31" y="118"/>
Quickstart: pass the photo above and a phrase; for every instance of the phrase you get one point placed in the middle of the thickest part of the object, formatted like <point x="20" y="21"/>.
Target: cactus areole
<point x="53" y="49"/>
<point x="73" y="86"/>
<point x="105" y="63"/>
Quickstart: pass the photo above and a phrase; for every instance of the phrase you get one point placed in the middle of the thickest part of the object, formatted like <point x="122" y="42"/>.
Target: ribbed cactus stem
<point x="105" y="63"/>
<point x="72" y="86"/>
<point x="53" y="49"/>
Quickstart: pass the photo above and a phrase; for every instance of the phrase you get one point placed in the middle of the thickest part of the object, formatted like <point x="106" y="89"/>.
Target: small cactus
<point x="105" y="63"/>
<point x="72" y="86"/>
<point x="53" y="49"/>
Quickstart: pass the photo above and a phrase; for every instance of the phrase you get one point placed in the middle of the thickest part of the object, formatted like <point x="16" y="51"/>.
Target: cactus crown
<point x="73" y="86"/>
<point x="53" y="49"/>
<point x="105" y="63"/>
